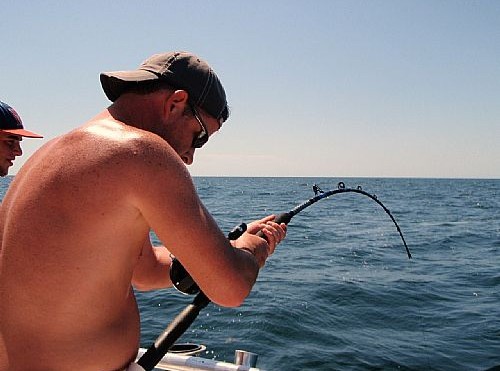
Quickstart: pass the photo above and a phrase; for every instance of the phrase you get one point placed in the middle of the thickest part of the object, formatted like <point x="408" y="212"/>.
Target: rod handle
<point x="280" y="218"/>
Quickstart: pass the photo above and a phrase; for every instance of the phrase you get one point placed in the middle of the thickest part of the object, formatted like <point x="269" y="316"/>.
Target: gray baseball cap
<point x="182" y="70"/>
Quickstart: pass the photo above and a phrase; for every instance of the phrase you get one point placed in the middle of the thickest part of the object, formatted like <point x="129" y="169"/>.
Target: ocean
<point x="340" y="292"/>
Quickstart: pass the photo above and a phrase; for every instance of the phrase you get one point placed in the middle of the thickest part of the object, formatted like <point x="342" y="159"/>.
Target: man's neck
<point x="136" y="110"/>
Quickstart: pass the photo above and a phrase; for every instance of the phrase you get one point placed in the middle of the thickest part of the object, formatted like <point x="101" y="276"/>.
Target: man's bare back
<point x="75" y="229"/>
<point x="84" y="259"/>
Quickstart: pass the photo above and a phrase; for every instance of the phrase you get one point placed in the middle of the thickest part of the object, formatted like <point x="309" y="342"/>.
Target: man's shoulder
<point x="115" y="139"/>
<point x="112" y="131"/>
<point x="98" y="147"/>
<point x="126" y="146"/>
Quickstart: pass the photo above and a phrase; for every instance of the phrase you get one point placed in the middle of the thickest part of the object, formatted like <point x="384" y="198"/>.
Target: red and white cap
<point x="10" y="122"/>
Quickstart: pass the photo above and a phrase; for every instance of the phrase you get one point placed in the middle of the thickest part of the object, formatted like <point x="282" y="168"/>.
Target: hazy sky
<point x="316" y="88"/>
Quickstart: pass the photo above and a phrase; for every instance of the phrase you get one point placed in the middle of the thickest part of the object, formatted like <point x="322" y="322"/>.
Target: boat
<point x="187" y="359"/>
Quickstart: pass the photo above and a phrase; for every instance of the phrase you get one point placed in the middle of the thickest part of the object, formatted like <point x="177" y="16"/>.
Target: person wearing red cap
<point x="11" y="135"/>
<point x="76" y="222"/>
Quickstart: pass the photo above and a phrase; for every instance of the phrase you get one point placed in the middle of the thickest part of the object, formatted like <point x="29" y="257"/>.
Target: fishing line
<point x="183" y="282"/>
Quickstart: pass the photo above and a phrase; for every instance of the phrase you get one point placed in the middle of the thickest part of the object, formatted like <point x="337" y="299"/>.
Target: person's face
<point x="188" y="131"/>
<point x="10" y="148"/>
<point x="185" y="127"/>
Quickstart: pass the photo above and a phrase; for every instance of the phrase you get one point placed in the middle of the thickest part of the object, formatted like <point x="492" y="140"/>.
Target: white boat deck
<point x="177" y="362"/>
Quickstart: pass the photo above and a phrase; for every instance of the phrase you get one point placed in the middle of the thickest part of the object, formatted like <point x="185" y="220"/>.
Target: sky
<point x="315" y="88"/>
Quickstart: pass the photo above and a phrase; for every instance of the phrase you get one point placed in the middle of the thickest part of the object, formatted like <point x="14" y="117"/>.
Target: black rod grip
<point x="283" y="218"/>
<point x="174" y="330"/>
<point x="280" y="218"/>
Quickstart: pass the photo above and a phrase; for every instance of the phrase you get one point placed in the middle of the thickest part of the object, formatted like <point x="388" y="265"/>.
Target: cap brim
<point x="114" y="83"/>
<point x="23" y="133"/>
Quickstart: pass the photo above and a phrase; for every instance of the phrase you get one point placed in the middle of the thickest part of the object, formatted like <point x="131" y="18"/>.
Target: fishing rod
<point x="341" y="188"/>
<point x="183" y="282"/>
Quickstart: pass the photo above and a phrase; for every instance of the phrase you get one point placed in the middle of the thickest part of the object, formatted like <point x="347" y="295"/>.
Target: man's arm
<point x="163" y="191"/>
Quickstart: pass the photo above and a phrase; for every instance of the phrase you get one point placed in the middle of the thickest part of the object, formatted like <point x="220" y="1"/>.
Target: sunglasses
<point x="202" y="138"/>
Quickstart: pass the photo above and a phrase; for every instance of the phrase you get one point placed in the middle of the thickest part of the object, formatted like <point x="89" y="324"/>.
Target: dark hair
<point x="151" y="86"/>
<point x="147" y="87"/>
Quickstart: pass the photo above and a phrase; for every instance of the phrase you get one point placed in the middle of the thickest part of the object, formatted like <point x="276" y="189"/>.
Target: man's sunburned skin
<point x="91" y="302"/>
<point x="68" y="263"/>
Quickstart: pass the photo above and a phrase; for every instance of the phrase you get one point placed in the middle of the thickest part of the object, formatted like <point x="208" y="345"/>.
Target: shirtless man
<point x="11" y="135"/>
<point x="76" y="220"/>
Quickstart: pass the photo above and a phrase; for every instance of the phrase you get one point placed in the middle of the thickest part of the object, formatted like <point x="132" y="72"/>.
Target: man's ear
<point x="176" y="102"/>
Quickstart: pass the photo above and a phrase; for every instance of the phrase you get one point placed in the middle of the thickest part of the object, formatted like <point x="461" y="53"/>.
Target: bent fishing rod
<point x="183" y="282"/>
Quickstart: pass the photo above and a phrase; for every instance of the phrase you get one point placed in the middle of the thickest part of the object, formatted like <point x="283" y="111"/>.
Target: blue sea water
<point x="340" y="293"/>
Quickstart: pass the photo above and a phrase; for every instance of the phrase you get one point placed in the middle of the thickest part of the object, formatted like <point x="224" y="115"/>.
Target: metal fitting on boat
<point x="244" y="358"/>
<point x="187" y="349"/>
